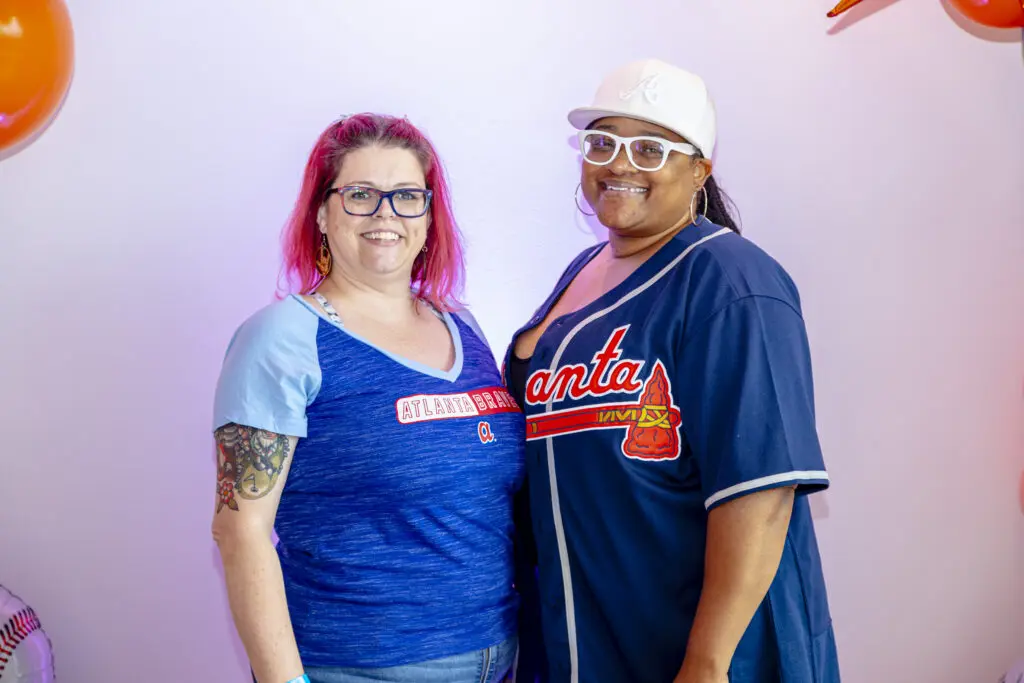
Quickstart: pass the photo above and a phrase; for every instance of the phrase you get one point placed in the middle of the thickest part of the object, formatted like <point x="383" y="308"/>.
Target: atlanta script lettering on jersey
<point x="609" y="375"/>
<point x="651" y="422"/>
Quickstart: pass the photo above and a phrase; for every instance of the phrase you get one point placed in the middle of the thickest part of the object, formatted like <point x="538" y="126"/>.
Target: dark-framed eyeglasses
<point x="407" y="202"/>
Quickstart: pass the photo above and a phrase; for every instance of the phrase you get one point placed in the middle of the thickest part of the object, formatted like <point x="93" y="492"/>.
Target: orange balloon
<point x="37" y="51"/>
<point x="994" y="13"/>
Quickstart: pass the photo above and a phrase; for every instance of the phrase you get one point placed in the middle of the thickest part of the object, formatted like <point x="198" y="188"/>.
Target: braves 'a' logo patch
<point x="483" y="430"/>
<point x="651" y="421"/>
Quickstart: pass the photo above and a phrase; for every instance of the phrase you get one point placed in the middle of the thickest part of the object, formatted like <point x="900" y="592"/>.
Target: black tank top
<point x="516" y="375"/>
<point x="532" y="661"/>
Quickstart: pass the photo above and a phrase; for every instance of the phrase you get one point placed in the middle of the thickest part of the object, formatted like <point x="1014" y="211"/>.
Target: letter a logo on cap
<point x="648" y="86"/>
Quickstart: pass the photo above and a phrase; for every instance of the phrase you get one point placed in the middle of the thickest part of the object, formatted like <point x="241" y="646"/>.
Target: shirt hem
<point x="409" y="656"/>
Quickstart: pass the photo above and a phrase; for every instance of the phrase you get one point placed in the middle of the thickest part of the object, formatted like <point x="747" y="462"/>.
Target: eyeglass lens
<point x="365" y="201"/>
<point x="600" y="148"/>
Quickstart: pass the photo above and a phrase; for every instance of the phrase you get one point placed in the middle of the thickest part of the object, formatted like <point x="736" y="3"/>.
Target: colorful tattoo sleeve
<point x="249" y="463"/>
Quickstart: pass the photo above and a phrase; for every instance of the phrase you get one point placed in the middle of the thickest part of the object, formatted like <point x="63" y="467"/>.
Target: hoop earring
<point x="323" y="257"/>
<point x="576" y="198"/>
<point x="693" y="209"/>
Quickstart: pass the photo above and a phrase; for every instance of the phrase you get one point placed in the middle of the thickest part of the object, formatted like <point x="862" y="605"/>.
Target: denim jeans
<point x="490" y="665"/>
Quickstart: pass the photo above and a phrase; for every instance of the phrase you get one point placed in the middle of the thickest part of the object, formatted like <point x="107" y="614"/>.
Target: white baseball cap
<point x="653" y="91"/>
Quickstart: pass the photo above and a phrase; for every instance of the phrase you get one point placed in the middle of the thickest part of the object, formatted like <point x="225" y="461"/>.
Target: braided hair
<point x="718" y="205"/>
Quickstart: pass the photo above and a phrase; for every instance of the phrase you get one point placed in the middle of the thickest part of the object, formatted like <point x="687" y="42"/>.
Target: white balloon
<point x="26" y="655"/>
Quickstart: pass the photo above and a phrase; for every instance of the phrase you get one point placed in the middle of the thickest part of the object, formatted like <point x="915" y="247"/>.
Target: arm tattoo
<point x="249" y="462"/>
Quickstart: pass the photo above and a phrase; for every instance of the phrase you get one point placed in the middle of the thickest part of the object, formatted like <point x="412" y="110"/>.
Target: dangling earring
<point x="576" y="198"/>
<point x="693" y="209"/>
<point x="323" y="257"/>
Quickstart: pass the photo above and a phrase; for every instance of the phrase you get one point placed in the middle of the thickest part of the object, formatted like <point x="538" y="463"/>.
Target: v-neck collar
<point x="450" y="375"/>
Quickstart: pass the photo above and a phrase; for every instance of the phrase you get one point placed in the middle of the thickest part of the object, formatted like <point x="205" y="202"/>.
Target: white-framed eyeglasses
<point x="646" y="153"/>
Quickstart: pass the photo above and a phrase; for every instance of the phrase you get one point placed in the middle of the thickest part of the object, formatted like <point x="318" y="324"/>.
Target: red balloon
<point x="994" y="13"/>
<point x="36" y="63"/>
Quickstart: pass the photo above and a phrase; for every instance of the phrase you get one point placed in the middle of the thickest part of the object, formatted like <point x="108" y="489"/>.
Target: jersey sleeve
<point x="747" y="403"/>
<point x="270" y="373"/>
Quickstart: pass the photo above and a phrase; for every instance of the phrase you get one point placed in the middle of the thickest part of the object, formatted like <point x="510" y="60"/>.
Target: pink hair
<point x="437" y="275"/>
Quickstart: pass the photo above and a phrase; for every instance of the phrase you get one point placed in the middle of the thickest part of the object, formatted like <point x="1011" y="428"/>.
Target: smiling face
<point x="634" y="203"/>
<point x="382" y="246"/>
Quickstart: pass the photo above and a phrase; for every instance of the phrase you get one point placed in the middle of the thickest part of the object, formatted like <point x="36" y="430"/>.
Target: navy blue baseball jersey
<point x="684" y="387"/>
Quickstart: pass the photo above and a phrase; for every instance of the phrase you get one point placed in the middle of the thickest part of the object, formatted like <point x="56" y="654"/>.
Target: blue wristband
<point x="301" y="679"/>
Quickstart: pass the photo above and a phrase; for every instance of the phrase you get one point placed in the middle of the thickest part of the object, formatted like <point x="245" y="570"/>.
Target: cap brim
<point x="582" y="117"/>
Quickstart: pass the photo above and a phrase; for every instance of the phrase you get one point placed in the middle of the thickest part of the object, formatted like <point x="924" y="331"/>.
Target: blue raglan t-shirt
<point x="395" y="522"/>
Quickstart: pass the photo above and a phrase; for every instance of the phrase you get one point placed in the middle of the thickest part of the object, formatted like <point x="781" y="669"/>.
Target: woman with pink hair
<point x="363" y="419"/>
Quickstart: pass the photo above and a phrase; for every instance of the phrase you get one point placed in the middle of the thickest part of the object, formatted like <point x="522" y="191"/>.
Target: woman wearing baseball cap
<point x="671" y="439"/>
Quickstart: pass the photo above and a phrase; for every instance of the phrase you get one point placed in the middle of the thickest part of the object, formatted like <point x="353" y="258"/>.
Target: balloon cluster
<point x="36" y="62"/>
<point x="992" y="13"/>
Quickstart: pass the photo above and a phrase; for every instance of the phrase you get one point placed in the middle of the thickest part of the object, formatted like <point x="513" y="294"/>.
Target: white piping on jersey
<point x="795" y="475"/>
<point x="556" y="508"/>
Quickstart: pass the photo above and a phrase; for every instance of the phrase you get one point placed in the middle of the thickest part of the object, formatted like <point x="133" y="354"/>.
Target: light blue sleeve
<point x="271" y="371"/>
<point x="468" y="318"/>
